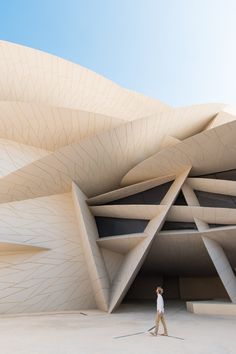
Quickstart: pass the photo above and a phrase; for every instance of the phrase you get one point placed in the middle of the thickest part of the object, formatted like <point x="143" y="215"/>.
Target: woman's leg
<point x="158" y="317"/>
<point x="164" y="325"/>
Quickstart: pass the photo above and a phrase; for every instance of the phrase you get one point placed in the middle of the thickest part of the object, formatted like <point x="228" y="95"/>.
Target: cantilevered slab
<point x="224" y="235"/>
<point x="122" y="243"/>
<point x="199" y="150"/>
<point x="129" y="190"/>
<point x="109" y="156"/>
<point x="13" y="247"/>
<point x="138" y="211"/>
<point x="211" y="185"/>
<point x="210" y="215"/>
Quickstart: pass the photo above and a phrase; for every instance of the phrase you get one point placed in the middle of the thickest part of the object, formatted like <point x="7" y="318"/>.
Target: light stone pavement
<point x="75" y="333"/>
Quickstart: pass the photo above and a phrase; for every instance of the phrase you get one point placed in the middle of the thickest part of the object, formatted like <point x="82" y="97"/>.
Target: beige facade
<point x="105" y="192"/>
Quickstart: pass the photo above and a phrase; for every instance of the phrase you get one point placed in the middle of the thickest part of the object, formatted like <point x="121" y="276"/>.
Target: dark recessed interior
<point x="229" y="175"/>
<point x="215" y="200"/>
<point x="117" y="226"/>
<point x="178" y="225"/>
<point x="212" y="226"/>
<point x="180" y="200"/>
<point x="150" y="196"/>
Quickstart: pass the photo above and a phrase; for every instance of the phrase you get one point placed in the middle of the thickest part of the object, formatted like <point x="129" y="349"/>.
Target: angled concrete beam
<point x="189" y="195"/>
<point x="122" y="243"/>
<point x="201" y="225"/>
<point x="89" y="235"/>
<point x="222" y="266"/>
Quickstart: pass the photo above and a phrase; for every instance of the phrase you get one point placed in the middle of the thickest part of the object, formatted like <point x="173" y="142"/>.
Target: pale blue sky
<point x="179" y="51"/>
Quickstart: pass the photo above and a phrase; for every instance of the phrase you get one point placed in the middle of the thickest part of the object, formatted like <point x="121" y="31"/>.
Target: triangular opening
<point x="150" y="196"/>
<point x="180" y="200"/>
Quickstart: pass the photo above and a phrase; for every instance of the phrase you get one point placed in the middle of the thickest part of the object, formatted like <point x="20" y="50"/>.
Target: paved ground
<point x="75" y="333"/>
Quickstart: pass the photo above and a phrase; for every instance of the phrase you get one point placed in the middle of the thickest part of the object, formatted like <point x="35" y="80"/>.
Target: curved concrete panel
<point x="199" y="151"/>
<point x="48" y="127"/>
<point x="34" y="76"/>
<point x="108" y="156"/>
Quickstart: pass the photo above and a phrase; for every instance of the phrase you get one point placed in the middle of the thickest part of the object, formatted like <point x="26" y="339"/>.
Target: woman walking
<point x="160" y="313"/>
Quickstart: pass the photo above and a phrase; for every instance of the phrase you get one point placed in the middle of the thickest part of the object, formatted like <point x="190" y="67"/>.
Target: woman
<point x="160" y="313"/>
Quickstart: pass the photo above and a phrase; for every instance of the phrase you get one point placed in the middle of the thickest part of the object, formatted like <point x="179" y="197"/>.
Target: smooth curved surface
<point x="34" y="76"/>
<point x="49" y="127"/>
<point x="108" y="156"/>
<point x="199" y="151"/>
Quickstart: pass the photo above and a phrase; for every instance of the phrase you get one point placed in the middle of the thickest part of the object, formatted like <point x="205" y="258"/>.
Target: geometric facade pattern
<point x="99" y="184"/>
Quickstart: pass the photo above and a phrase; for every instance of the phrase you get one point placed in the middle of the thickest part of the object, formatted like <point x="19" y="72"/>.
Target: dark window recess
<point x="212" y="226"/>
<point x="115" y="226"/>
<point x="177" y="225"/>
<point x="229" y="175"/>
<point x="215" y="200"/>
<point x="180" y="200"/>
<point x="150" y="196"/>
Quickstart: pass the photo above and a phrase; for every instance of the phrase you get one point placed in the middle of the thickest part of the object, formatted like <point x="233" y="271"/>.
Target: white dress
<point x="160" y="303"/>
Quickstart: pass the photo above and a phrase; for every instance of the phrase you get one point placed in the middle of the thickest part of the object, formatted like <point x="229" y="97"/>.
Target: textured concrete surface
<point x="73" y="333"/>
